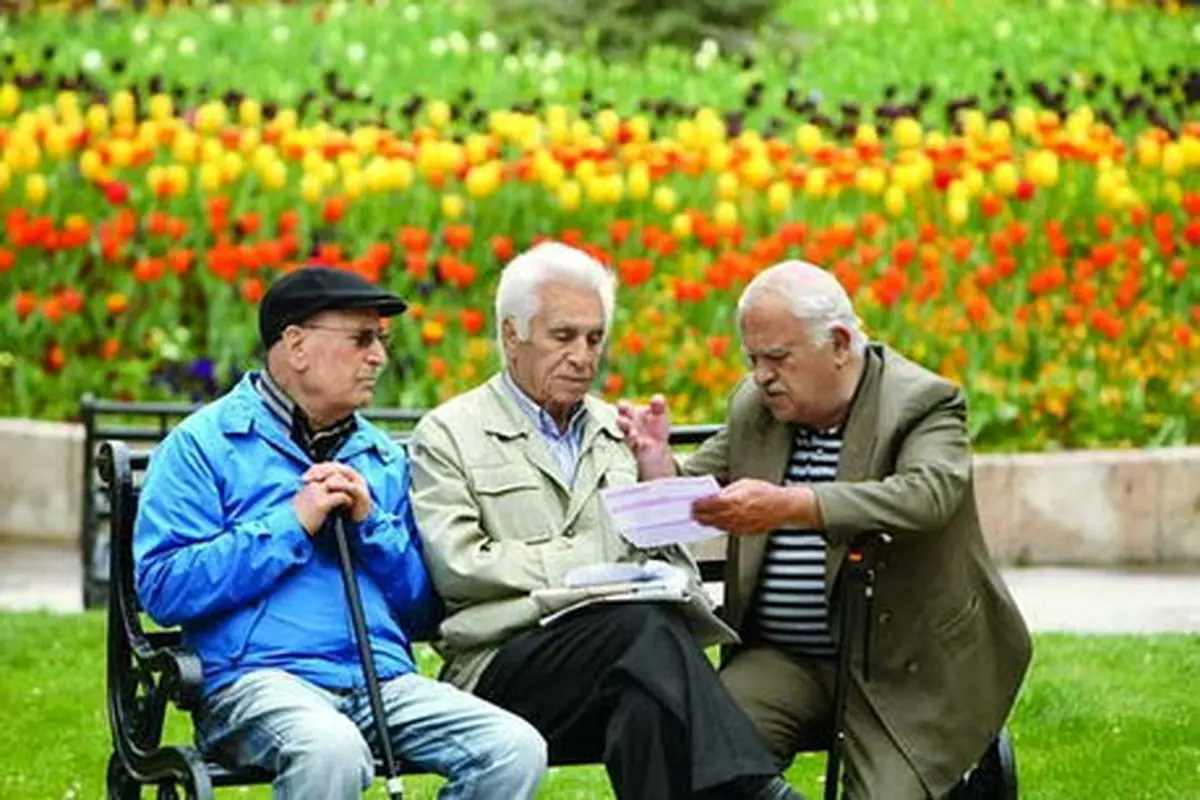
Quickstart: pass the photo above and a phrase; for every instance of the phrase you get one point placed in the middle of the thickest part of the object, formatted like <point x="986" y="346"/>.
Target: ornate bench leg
<point x="121" y="785"/>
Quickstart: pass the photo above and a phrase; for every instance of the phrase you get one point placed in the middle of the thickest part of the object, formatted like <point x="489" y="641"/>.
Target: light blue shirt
<point x="564" y="447"/>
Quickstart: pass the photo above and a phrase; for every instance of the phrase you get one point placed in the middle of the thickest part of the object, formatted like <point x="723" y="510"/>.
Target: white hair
<point x="813" y="295"/>
<point x="517" y="295"/>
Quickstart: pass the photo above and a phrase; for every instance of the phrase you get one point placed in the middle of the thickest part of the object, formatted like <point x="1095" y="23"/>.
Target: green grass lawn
<point x="1100" y="717"/>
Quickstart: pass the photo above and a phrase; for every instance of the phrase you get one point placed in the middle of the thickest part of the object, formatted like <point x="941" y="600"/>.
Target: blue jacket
<point x="220" y="552"/>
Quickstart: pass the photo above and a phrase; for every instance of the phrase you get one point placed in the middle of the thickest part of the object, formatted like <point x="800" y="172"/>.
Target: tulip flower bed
<point x="1035" y="242"/>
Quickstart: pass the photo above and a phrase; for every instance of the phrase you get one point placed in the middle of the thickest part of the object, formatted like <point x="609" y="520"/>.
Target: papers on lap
<point x="652" y="581"/>
<point x="659" y="513"/>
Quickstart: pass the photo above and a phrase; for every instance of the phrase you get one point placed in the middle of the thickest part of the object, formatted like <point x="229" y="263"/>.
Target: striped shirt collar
<point x="320" y="444"/>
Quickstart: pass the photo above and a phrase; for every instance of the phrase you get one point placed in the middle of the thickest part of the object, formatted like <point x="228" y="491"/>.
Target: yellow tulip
<point x="90" y="164"/>
<point x="121" y="152"/>
<point x="719" y="156"/>
<point x="1005" y="178"/>
<point x="311" y="187"/>
<point x="908" y="133"/>
<point x="66" y="104"/>
<point x="250" y="139"/>
<point x="779" y="197"/>
<point x="608" y="124"/>
<point x="1173" y="161"/>
<point x="400" y="174"/>
<point x="177" y="177"/>
<point x="124" y="108"/>
<point x="725" y="214"/>
<point x="681" y="225"/>
<point x="1025" y="120"/>
<point x="999" y="132"/>
<point x="210" y="177"/>
<point x="1042" y="168"/>
<point x="232" y="166"/>
<point x="957" y="209"/>
<point x="438" y="113"/>
<point x="249" y="113"/>
<point x="569" y="195"/>
<point x="274" y="175"/>
<point x="865" y="134"/>
<point x="808" y="138"/>
<point x="1149" y="153"/>
<point x="639" y="181"/>
<point x="57" y="142"/>
<point x="639" y="128"/>
<point x="353" y="184"/>
<point x="97" y="118"/>
<point x="36" y="188"/>
<point x="665" y="199"/>
<point x="5" y="177"/>
<point x="1190" y="146"/>
<point x="727" y="186"/>
<point x="816" y="182"/>
<point x="758" y="171"/>
<point x="161" y="107"/>
<point x="870" y="180"/>
<point x="483" y="180"/>
<point x="894" y="200"/>
<point x="349" y="161"/>
<point x="973" y="123"/>
<point x="10" y="99"/>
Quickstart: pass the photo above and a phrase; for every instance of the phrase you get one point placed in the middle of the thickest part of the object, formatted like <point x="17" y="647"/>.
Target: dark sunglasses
<point x="363" y="338"/>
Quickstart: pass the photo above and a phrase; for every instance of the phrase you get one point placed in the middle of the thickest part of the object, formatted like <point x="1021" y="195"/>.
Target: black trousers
<point x="626" y="684"/>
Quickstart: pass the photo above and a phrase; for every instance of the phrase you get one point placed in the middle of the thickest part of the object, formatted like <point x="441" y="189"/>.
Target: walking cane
<point x="859" y="577"/>
<point x="395" y="786"/>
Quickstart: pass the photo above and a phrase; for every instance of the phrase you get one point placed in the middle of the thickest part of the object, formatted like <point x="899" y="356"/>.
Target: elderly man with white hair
<point x="830" y="441"/>
<point x="506" y="491"/>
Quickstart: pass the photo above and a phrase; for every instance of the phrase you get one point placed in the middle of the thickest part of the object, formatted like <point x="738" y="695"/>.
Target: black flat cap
<point x="309" y="290"/>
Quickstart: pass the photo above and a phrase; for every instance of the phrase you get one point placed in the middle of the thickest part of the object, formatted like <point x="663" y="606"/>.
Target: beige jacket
<point x="948" y="646"/>
<point x="497" y="521"/>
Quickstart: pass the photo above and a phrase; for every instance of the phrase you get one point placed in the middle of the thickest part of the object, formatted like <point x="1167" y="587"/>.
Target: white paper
<point x="659" y="513"/>
<point x="626" y="572"/>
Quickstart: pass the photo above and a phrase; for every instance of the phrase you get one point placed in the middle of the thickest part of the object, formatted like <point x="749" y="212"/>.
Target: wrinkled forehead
<point x="569" y="304"/>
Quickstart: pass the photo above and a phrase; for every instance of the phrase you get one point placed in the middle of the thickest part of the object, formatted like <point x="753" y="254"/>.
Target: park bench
<point x="148" y="669"/>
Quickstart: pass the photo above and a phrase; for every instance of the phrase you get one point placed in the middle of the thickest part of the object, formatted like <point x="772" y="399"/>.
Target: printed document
<point x="659" y="513"/>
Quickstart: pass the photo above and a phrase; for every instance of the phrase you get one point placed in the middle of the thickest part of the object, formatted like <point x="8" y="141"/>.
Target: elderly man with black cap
<point x="230" y="544"/>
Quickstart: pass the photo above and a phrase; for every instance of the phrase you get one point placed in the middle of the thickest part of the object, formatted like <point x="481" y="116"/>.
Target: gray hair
<point x="814" y="296"/>
<point x="518" y="298"/>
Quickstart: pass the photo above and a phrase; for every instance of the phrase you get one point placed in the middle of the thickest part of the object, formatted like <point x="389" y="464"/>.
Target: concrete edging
<point x="1085" y="508"/>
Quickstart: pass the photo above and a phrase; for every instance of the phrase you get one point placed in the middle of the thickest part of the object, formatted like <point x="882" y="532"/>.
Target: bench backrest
<point x="145" y="424"/>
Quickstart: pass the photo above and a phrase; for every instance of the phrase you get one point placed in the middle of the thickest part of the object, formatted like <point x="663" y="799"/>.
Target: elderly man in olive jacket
<point x="506" y="491"/>
<point x="830" y="440"/>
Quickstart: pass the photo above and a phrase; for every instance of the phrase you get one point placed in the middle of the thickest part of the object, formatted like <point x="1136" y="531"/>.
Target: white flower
<point x="1004" y="29"/>
<point x="337" y="9"/>
<point x="281" y="33"/>
<point x="512" y="63"/>
<point x="362" y="91"/>
<point x="437" y="47"/>
<point x="870" y="14"/>
<point x="187" y="46"/>
<point x="356" y="52"/>
<point x="221" y="14"/>
<point x="92" y="60"/>
<point x="458" y="42"/>
<point x="488" y="41"/>
<point x="140" y="34"/>
<point x="553" y="61"/>
<point x="703" y="59"/>
<point x="157" y="53"/>
<point x="835" y="19"/>
<point x="710" y="47"/>
<point x="549" y="86"/>
<point x="412" y="13"/>
<point x="530" y="61"/>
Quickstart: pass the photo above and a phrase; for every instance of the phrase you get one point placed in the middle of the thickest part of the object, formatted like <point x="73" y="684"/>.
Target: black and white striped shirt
<point x="320" y="444"/>
<point x="790" y="608"/>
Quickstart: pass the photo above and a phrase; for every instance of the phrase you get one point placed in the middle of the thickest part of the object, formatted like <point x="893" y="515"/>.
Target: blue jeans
<point x="317" y="741"/>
